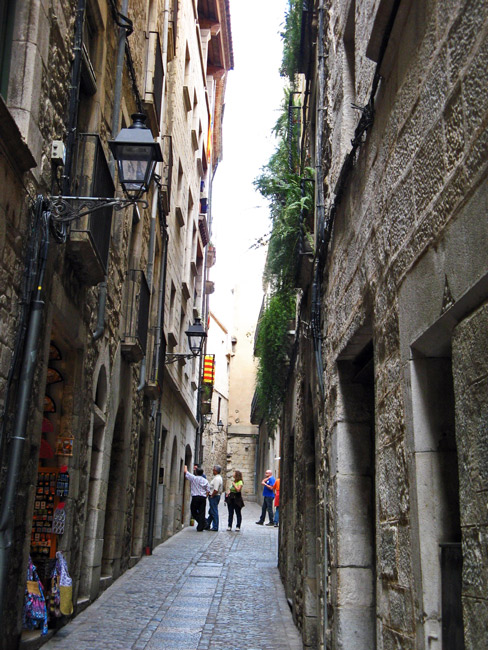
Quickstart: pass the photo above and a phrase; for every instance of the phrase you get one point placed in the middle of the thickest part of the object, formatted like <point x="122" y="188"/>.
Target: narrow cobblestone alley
<point x="198" y="591"/>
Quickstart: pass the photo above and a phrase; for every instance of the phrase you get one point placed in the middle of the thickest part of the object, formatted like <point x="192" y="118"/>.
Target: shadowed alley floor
<point x="198" y="591"/>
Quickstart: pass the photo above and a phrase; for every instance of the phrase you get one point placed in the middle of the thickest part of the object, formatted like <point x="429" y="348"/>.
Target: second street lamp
<point x="196" y="336"/>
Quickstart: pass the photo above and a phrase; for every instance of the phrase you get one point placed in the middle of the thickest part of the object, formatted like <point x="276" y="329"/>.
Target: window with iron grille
<point x="136" y="315"/>
<point x="7" y="10"/>
<point x="92" y="177"/>
<point x="153" y="86"/>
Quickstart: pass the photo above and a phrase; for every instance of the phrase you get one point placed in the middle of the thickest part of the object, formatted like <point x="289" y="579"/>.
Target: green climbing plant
<point x="291" y="40"/>
<point x="281" y="182"/>
<point x="272" y="347"/>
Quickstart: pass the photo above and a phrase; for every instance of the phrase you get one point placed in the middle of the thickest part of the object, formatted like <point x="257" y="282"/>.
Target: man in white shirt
<point x="199" y="488"/>
<point x="216" y="485"/>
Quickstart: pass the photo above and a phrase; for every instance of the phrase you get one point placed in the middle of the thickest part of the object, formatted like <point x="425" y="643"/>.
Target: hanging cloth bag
<point x="65" y="586"/>
<point x="34" y="614"/>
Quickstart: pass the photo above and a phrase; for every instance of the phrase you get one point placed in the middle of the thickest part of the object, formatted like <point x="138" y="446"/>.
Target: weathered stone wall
<point x="38" y="102"/>
<point x="406" y="262"/>
<point x="241" y="455"/>
<point x="101" y="401"/>
<point x="470" y="365"/>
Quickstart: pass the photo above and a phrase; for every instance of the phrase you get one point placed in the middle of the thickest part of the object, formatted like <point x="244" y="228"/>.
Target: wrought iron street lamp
<point x="196" y="336"/>
<point x="220" y="426"/>
<point x="136" y="154"/>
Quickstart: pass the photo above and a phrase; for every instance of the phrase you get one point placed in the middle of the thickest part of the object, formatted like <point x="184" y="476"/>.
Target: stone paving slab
<point x="198" y="591"/>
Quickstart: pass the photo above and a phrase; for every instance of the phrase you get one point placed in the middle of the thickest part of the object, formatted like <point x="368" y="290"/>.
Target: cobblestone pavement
<point x="198" y="591"/>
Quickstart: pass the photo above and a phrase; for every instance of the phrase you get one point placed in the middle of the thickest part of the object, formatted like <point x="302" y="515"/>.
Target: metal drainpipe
<point x="74" y="97"/>
<point x="319" y="188"/>
<point x="154" y="482"/>
<point x="102" y="294"/>
<point x="102" y="300"/>
<point x="162" y="298"/>
<point x="150" y="273"/>
<point x="118" y="78"/>
<point x="157" y="352"/>
<point x="7" y="512"/>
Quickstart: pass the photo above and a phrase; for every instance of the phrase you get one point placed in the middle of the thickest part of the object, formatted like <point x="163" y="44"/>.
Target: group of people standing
<point x="201" y="488"/>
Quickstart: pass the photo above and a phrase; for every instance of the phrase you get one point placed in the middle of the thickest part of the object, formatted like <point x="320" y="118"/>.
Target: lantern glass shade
<point x="220" y="426"/>
<point x="196" y="336"/>
<point x="136" y="154"/>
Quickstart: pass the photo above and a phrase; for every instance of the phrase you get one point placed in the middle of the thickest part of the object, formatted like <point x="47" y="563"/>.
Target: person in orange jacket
<point x="276" y="490"/>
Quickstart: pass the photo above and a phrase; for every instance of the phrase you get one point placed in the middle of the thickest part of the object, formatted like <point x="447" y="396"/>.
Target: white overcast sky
<point x="252" y="101"/>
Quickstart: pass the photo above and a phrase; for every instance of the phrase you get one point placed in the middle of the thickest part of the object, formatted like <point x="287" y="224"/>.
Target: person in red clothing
<point x="276" y="490"/>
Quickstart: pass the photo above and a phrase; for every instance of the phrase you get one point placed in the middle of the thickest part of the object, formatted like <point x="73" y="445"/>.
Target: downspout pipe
<point x="150" y="274"/>
<point x="158" y="208"/>
<point x="154" y="482"/>
<point x="119" y="71"/>
<point x="319" y="192"/>
<point x="102" y="300"/>
<point x="7" y="511"/>
<point x="316" y="292"/>
<point x="74" y="98"/>
<point x="157" y="352"/>
<point x="102" y="287"/>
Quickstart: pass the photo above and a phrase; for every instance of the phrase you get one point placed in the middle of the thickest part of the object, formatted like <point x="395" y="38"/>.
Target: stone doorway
<point x="115" y="505"/>
<point x="353" y="556"/>
<point x="437" y="496"/>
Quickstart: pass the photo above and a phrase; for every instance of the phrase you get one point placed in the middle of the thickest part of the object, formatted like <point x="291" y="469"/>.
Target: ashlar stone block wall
<point x="404" y="286"/>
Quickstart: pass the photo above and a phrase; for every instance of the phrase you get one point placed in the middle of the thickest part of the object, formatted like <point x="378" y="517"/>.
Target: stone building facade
<point x="108" y="425"/>
<point x="215" y="429"/>
<point x="384" y="490"/>
<point x="242" y="431"/>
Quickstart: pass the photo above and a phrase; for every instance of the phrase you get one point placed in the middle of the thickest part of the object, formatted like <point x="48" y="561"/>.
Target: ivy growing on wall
<point x="291" y="40"/>
<point x="290" y="197"/>
<point x="272" y="347"/>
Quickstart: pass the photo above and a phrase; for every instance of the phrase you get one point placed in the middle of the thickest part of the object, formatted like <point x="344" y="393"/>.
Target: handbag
<point x="34" y="613"/>
<point x="238" y="500"/>
<point x="65" y="586"/>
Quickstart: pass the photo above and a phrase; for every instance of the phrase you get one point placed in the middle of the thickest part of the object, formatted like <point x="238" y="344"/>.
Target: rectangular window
<point x="7" y="14"/>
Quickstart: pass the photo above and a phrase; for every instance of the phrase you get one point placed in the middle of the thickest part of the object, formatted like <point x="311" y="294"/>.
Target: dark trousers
<point x="197" y="509"/>
<point x="237" y="509"/>
<point x="267" y="507"/>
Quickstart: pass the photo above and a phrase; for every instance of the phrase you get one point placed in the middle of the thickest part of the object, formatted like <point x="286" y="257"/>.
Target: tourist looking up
<point x="268" y="496"/>
<point x="199" y="488"/>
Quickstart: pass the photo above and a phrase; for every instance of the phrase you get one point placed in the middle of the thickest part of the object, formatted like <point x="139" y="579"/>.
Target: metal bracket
<point x="171" y="358"/>
<point x="70" y="208"/>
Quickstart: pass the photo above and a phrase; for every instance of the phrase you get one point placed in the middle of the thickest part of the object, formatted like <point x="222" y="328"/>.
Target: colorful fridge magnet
<point x="64" y="445"/>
